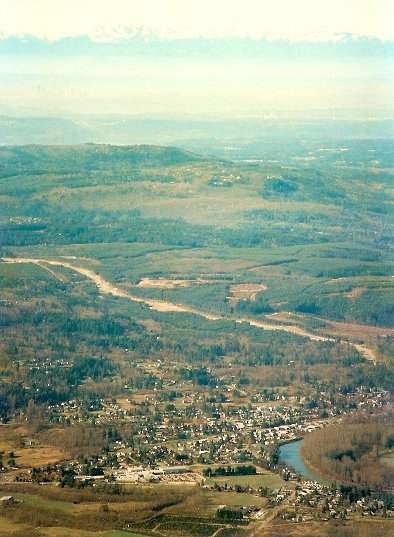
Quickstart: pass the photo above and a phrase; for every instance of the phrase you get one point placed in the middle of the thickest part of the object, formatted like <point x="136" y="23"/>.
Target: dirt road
<point x="106" y="287"/>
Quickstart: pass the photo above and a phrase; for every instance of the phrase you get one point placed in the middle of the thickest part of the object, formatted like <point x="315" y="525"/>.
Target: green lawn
<point x="36" y="501"/>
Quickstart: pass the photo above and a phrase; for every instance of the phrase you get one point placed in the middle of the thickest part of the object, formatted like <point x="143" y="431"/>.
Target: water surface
<point x="291" y="455"/>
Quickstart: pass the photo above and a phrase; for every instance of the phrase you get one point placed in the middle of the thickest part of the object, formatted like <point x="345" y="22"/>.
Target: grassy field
<point x="44" y="503"/>
<point x="65" y="532"/>
<point x="214" y="499"/>
<point x="8" y="528"/>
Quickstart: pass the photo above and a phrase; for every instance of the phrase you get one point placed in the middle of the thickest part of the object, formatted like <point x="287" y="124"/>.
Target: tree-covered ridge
<point x="37" y="159"/>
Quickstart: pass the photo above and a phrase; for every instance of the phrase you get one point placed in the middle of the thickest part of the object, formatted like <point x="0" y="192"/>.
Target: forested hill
<point x="90" y="157"/>
<point x="315" y="238"/>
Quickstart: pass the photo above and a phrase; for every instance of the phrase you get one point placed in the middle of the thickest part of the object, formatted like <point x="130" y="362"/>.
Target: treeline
<point x="199" y="376"/>
<point x="88" y="158"/>
<point x="94" y="227"/>
<point x="370" y="307"/>
<point x="230" y="471"/>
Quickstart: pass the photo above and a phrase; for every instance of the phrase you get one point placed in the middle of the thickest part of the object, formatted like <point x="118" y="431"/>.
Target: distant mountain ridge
<point x="127" y="129"/>
<point x="136" y="45"/>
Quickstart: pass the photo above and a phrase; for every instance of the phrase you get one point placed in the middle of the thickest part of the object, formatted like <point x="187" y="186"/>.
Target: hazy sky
<point x="168" y="56"/>
<point x="289" y="19"/>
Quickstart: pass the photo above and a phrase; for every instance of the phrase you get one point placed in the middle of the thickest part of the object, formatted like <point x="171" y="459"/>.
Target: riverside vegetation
<point x="93" y="385"/>
<point x="352" y="453"/>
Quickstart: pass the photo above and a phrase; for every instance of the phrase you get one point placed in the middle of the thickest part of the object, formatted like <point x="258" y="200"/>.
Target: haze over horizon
<point x="205" y="58"/>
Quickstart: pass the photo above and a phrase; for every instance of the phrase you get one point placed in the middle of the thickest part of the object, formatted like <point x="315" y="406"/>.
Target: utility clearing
<point x="164" y="306"/>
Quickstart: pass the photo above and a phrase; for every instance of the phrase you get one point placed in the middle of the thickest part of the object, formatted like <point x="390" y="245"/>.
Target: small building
<point x="7" y="500"/>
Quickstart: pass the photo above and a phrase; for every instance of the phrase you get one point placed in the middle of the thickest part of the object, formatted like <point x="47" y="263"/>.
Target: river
<point x="291" y="455"/>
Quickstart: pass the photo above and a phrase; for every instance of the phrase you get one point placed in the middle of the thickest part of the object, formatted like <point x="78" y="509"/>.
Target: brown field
<point x="354" y="293"/>
<point x="87" y="313"/>
<point x="12" y="433"/>
<point x="66" y="532"/>
<point x="11" y="438"/>
<point x="124" y="403"/>
<point x="245" y="291"/>
<point x="150" y="325"/>
<point x="352" y="528"/>
<point x="8" y="528"/>
<point x="38" y="456"/>
<point x="354" y="332"/>
<point x="162" y="283"/>
<point x="362" y="332"/>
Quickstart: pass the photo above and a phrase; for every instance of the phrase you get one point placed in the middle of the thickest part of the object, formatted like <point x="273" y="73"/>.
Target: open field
<point x="27" y="452"/>
<point x="215" y="499"/>
<point x="33" y="500"/>
<point x="116" y="533"/>
<point x="64" y="532"/>
<point x="9" y="528"/>
<point x="388" y="459"/>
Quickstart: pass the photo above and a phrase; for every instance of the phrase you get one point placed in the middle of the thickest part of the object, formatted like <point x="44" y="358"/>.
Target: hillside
<point x="319" y="243"/>
<point x="160" y="309"/>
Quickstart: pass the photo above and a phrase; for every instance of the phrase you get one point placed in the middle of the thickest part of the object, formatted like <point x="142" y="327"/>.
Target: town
<point x="183" y="434"/>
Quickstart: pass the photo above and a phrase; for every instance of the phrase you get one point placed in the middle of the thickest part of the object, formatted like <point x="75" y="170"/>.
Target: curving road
<point x="106" y="287"/>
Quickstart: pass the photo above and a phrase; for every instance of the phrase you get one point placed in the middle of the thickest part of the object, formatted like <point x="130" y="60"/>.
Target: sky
<point x="190" y="57"/>
<point x="286" y="19"/>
